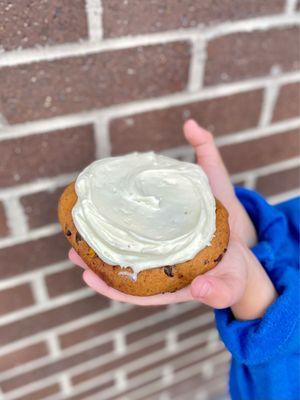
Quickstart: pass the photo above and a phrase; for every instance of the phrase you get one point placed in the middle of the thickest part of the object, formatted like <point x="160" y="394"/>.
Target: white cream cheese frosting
<point x="144" y="210"/>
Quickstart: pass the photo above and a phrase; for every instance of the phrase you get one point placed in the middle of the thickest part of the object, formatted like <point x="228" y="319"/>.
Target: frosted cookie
<point x="145" y="223"/>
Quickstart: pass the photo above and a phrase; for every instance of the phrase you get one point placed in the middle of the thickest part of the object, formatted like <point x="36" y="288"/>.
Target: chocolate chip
<point x="219" y="258"/>
<point x="78" y="237"/>
<point x="68" y="233"/>
<point x="168" y="270"/>
<point x="205" y="262"/>
<point x="224" y="251"/>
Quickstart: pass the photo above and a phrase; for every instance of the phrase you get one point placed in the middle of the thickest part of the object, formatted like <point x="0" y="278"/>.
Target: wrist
<point x="242" y="225"/>
<point x="259" y="293"/>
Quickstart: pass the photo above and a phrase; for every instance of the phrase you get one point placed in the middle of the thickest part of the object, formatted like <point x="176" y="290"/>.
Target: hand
<point x="231" y="282"/>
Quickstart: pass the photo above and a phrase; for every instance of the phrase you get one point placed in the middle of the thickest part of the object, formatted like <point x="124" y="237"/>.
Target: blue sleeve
<point x="265" y="351"/>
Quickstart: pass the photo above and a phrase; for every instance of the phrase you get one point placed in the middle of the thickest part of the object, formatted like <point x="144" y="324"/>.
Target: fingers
<point x="210" y="160"/>
<point x="76" y="259"/>
<point x="217" y="292"/>
<point x="96" y="283"/>
<point x="101" y="287"/>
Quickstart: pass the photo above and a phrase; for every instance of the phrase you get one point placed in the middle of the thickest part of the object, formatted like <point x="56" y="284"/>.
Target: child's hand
<point x="238" y="281"/>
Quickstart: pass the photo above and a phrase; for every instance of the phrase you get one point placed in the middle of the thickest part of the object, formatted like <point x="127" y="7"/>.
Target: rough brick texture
<point x="279" y="182"/>
<point x="46" y="89"/>
<point x="48" y="154"/>
<point x="51" y="318"/>
<point x="25" y="257"/>
<point x="96" y="390"/>
<point x="87" y="78"/>
<point x="252" y="54"/>
<point x="15" y="298"/>
<point x="28" y="23"/>
<point x="159" y="130"/>
<point x="56" y="367"/>
<point x="23" y="356"/>
<point x="64" y="282"/>
<point x="132" y="17"/>
<point x="248" y="155"/>
<point x="112" y="365"/>
<point x="41" y="207"/>
<point x="3" y="223"/>
<point x="41" y="394"/>
<point x="288" y="103"/>
<point x="94" y="330"/>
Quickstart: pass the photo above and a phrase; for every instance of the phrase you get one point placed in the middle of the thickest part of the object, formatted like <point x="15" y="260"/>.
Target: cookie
<point x="169" y="278"/>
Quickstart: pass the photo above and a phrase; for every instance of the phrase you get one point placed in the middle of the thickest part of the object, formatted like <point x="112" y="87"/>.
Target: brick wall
<point x="85" y="79"/>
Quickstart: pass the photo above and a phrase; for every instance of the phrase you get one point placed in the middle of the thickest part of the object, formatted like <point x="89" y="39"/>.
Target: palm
<point x="228" y="279"/>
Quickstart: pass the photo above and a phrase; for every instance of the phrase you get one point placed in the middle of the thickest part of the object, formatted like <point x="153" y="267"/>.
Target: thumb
<point x="217" y="292"/>
<point x="224" y="285"/>
<point x="209" y="158"/>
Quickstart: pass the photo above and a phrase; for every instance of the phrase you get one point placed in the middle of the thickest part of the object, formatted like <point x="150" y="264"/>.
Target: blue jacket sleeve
<point x="265" y="351"/>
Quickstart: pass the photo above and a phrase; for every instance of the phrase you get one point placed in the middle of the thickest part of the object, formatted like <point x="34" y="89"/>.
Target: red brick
<point x="163" y="325"/>
<point x="156" y="379"/>
<point x="23" y="356"/>
<point x="288" y="103"/>
<point x="201" y="359"/>
<point x="99" y="328"/>
<point x="122" y="18"/>
<point x="41" y="208"/>
<point x="185" y="387"/>
<point x="197" y="381"/>
<point x="251" y="54"/>
<point x="16" y="298"/>
<point x="112" y="365"/>
<point x="48" y="319"/>
<point x="187" y="334"/>
<point x="95" y="390"/>
<point x="29" y="256"/>
<point x="48" y="154"/>
<point x="64" y="282"/>
<point x="45" y="89"/>
<point x="29" y="23"/>
<point x="167" y="359"/>
<point x="279" y="182"/>
<point x="3" y="224"/>
<point x="41" y="394"/>
<point x="158" y="130"/>
<point x="260" y="152"/>
<point x="55" y="367"/>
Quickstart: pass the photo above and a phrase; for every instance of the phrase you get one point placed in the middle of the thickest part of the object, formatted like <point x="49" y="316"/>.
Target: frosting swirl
<point x="144" y="210"/>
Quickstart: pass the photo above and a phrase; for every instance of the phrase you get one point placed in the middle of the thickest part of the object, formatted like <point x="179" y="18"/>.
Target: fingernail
<point x="204" y="290"/>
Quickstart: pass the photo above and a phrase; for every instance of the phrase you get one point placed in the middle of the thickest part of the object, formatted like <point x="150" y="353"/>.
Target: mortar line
<point x="197" y="65"/>
<point x="35" y="234"/>
<point x="89" y="344"/>
<point x="48" y="53"/>
<point x="39" y="290"/>
<point x="35" y="274"/>
<point x="43" y="184"/>
<point x="137" y="107"/>
<point x="15" y="217"/>
<point x="94" y="19"/>
<point x="101" y="132"/>
<point x="270" y="97"/>
<point x="186" y="344"/>
<point x="278" y="198"/>
<point x="43" y="307"/>
<point x="267" y="169"/>
<point x="290" y="6"/>
<point x="134" y="365"/>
